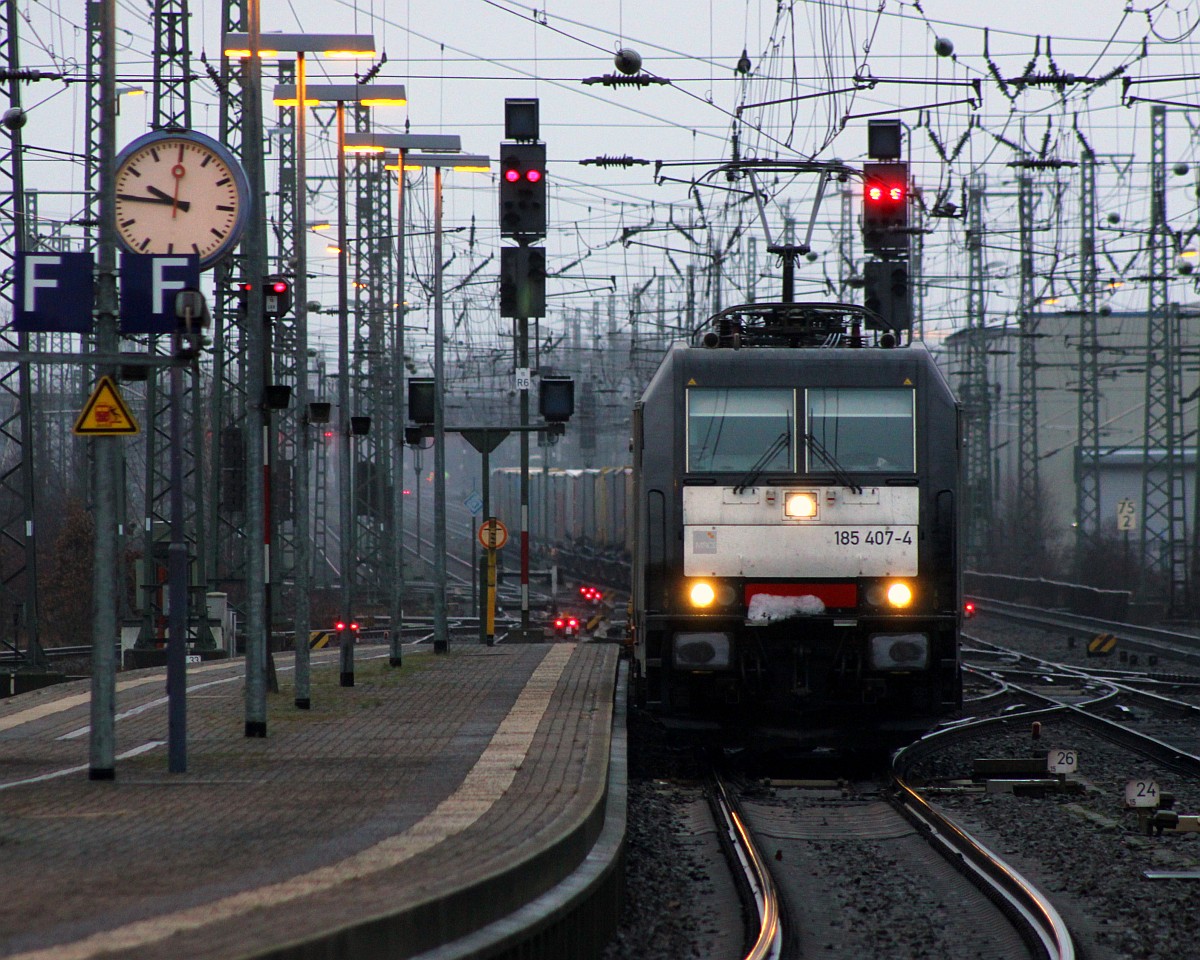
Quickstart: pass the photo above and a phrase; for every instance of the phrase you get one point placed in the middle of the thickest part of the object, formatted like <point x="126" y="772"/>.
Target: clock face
<point x="179" y="193"/>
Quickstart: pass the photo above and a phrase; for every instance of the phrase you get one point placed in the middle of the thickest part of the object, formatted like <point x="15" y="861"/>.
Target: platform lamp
<point x="367" y="95"/>
<point x="438" y="162"/>
<point x="327" y="46"/>
<point x="400" y="144"/>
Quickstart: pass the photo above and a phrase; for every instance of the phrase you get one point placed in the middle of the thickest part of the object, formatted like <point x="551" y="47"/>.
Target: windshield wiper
<point x="839" y="472"/>
<point x="778" y="444"/>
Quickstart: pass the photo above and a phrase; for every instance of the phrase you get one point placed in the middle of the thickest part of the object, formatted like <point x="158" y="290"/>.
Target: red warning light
<point x="512" y="175"/>
<point x="279" y="286"/>
<point x="875" y="193"/>
<point x="533" y="176"/>
<point x="896" y="193"/>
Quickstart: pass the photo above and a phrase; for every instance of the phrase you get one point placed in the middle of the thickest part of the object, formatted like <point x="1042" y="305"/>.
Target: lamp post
<point x="328" y="46"/>
<point x="401" y="143"/>
<point x="371" y="95"/>
<point x="462" y="162"/>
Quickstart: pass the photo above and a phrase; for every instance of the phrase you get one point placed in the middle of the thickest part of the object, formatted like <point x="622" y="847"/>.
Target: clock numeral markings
<point x="216" y="233"/>
<point x="225" y="207"/>
<point x="154" y="154"/>
<point x="206" y="161"/>
<point x="144" y="244"/>
<point x="196" y="249"/>
<point x="222" y="181"/>
<point x="126" y="224"/>
<point x="134" y="170"/>
<point x="170" y="248"/>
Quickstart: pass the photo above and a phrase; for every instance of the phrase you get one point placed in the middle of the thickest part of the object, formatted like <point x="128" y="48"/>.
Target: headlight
<point x="899" y="651"/>
<point x="702" y="651"/>
<point x="702" y="594"/>
<point x="899" y="594"/>
<point x="800" y="506"/>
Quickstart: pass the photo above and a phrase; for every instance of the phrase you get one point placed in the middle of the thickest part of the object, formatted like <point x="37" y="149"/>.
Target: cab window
<point x="861" y="429"/>
<point x="739" y="429"/>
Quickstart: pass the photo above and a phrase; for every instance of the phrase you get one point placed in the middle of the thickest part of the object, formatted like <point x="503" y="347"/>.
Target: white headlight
<point x="702" y="594"/>
<point x="899" y="594"/>
<point x="800" y="506"/>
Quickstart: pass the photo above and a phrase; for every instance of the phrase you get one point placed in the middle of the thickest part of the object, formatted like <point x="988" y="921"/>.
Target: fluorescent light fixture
<point x="463" y="162"/>
<point x="395" y="142"/>
<point x="331" y="45"/>
<point x="367" y="94"/>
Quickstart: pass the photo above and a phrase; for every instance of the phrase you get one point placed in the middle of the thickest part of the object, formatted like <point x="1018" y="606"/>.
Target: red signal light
<point x="559" y="623"/>
<point x="279" y="286"/>
<point x="512" y="175"/>
<point x="573" y="622"/>
<point x="874" y="193"/>
<point x="340" y="626"/>
<point x="533" y="176"/>
<point x="896" y="193"/>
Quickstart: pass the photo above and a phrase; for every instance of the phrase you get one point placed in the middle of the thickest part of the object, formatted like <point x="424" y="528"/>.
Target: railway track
<point x="871" y="868"/>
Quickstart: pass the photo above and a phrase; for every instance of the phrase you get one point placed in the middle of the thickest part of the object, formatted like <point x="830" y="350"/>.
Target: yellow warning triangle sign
<point x="105" y="413"/>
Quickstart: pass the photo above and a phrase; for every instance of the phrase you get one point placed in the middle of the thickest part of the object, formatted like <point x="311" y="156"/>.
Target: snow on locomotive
<point x="796" y="498"/>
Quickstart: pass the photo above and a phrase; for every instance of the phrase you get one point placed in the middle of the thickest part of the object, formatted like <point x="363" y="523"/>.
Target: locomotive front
<point x="796" y="557"/>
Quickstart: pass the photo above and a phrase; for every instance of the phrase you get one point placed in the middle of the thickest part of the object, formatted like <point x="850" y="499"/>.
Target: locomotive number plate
<point x="874" y="536"/>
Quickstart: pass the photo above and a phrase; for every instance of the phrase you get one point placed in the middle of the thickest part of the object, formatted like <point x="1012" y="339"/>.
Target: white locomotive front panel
<point x="800" y="531"/>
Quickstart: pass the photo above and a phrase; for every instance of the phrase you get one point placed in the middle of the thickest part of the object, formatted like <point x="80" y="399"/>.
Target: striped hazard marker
<point x="1101" y="645"/>
<point x="317" y="639"/>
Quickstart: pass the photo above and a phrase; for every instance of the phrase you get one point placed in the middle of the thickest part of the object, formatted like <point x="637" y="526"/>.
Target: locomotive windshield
<point x="739" y="429"/>
<point x="861" y="429"/>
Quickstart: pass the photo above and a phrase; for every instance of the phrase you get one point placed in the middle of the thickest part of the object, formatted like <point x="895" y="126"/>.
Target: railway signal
<point x="885" y="207"/>
<point x="523" y="190"/>
<point x="885" y="284"/>
<point x="522" y="281"/>
<point x="277" y="297"/>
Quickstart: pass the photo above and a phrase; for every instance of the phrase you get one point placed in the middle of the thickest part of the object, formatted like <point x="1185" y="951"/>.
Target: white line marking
<point x="69" y="770"/>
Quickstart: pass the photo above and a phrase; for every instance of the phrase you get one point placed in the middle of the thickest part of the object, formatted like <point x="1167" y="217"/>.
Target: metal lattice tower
<point x="226" y="561"/>
<point x="1164" y="533"/>
<point x="171" y="110"/>
<point x="18" y="577"/>
<point x="846" y="230"/>
<point x="1027" y="505"/>
<point x="172" y="65"/>
<point x="1087" y="462"/>
<point x="286" y="426"/>
<point x="373" y="265"/>
<point x="976" y="392"/>
<point x="916" y="268"/>
<point x="323" y="552"/>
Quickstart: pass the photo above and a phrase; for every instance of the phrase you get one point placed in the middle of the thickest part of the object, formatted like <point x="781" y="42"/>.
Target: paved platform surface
<point x="384" y="798"/>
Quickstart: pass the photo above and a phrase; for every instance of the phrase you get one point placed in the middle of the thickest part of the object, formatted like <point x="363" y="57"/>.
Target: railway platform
<point x="428" y="810"/>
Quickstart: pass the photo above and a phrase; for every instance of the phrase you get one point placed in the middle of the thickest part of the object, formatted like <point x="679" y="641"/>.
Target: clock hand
<point x="164" y="198"/>
<point x="177" y="172"/>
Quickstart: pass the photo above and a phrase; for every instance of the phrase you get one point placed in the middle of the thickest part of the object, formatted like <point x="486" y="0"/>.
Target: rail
<point x="768" y="944"/>
<point x="1031" y="911"/>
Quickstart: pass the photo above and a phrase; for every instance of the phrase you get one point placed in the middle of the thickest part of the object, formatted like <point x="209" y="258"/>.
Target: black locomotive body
<point x="796" y="497"/>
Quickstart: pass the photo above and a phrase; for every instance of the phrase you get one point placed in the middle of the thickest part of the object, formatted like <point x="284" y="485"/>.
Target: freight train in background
<point x="581" y="518"/>
<point x="792" y="522"/>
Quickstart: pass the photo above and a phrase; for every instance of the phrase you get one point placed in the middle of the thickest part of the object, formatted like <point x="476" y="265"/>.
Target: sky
<point x="619" y="229"/>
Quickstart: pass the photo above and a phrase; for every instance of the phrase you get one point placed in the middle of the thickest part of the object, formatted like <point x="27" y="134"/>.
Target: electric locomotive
<point x="796" y="499"/>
